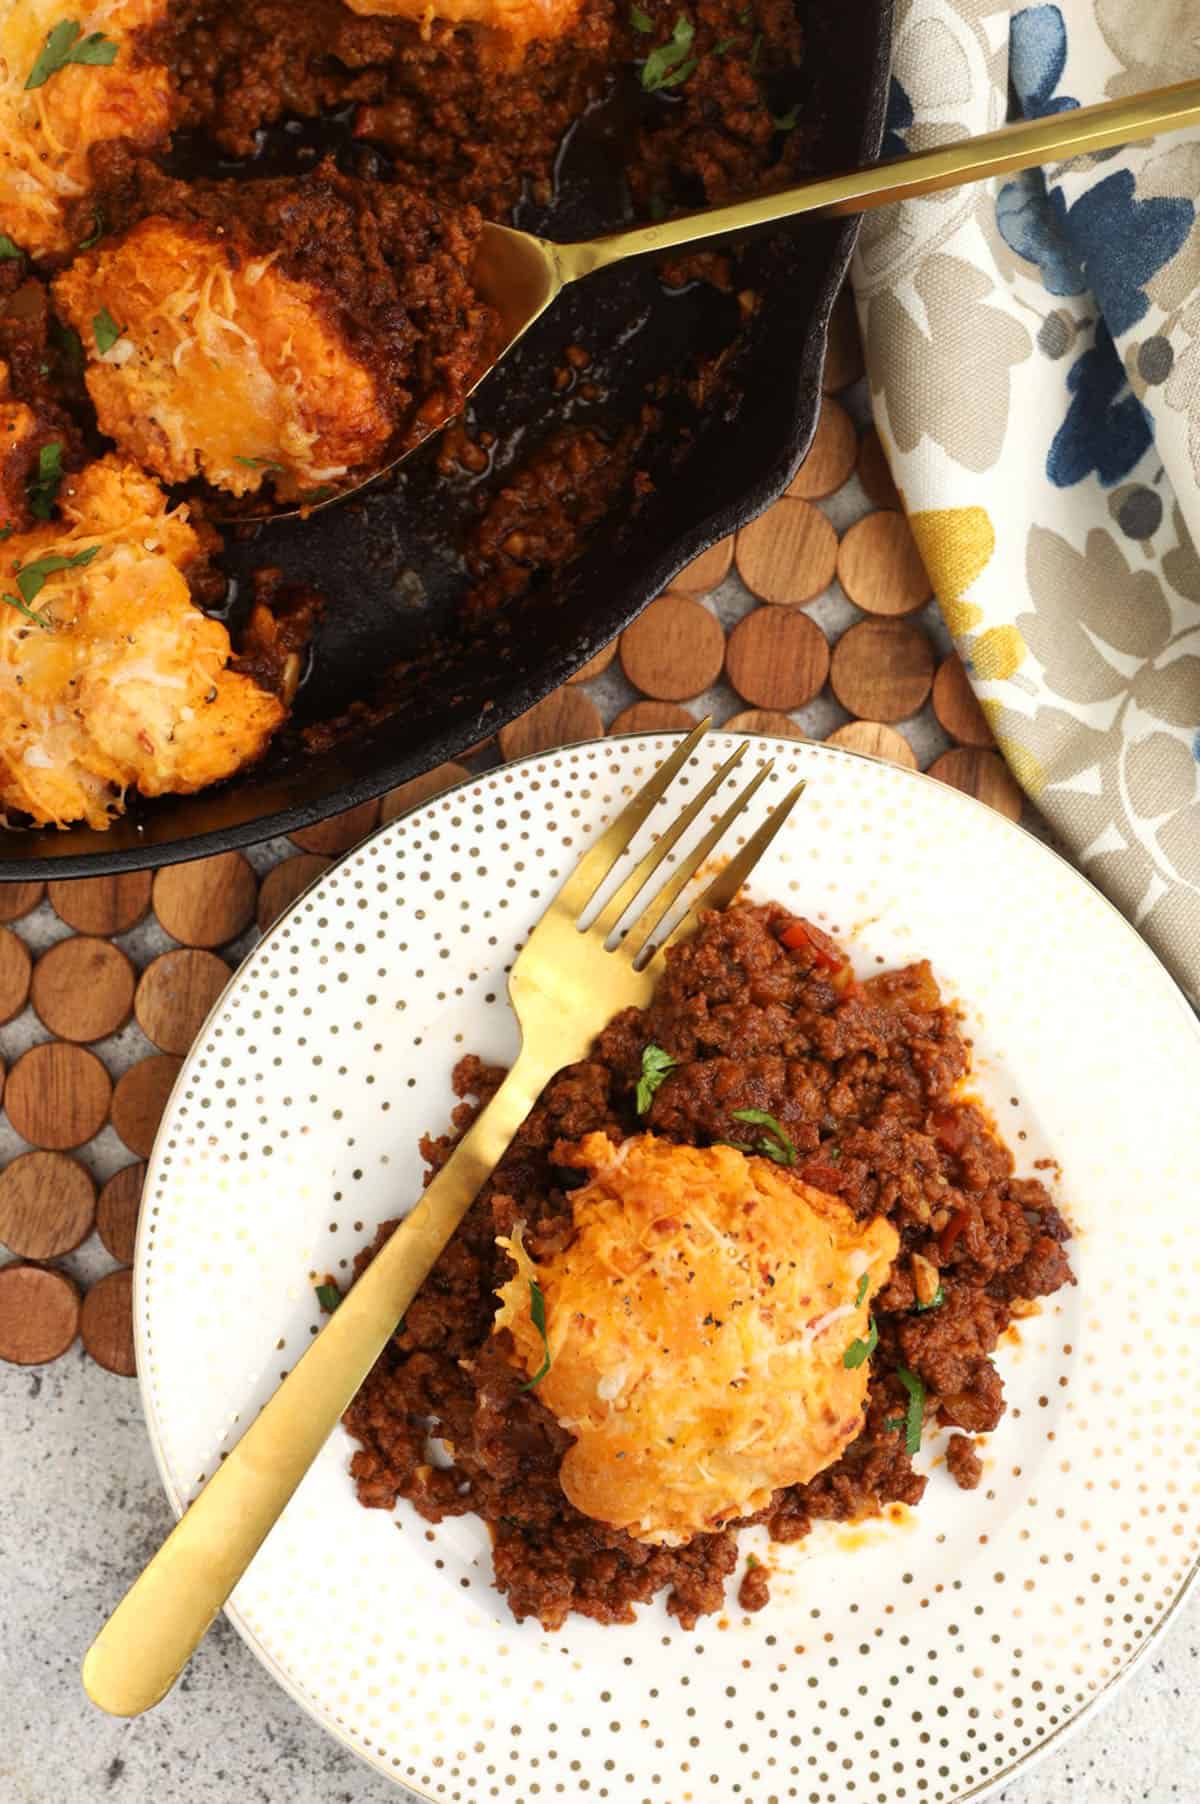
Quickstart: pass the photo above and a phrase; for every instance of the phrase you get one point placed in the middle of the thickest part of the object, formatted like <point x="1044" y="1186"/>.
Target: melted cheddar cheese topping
<point x="225" y="367"/>
<point x="47" y="132"/>
<point x="696" y="1326"/>
<point x="123" y="682"/>
<point x="514" y="23"/>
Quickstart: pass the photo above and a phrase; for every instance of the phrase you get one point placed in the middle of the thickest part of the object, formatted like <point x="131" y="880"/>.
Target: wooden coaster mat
<point x="814" y="621"/>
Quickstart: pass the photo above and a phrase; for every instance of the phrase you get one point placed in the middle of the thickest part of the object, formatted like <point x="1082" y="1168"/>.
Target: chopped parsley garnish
<point x="106" y="331"/>
<point x="753" y="1561"/>
<point x="6" y="531"/>
<point x="8" y="249"/>
<point x="786" y="122"/>
<point x="863" y="1283"/>
<point x="329" y="1297"/>
<point x="774" y="1144"/>
<point x="723" y="46"/>
<point x="96" y="233"/>
<point x="69" y="346"/>
<point x="258" y="463"/>
<point x="670" y="64"/>
<point x="893" y="1423"/>
<point x="861" y="1350"/>
<point x="655" y="1065"/>
<point x="42" y="489"/>
<point x="935" y="1301"/>
<point x="755" y="49"/>
<point x="64" y="45"/>
<point x="641" y="21"/>
<point x="31" y="579"/>
<point x="537" y="1310"/>
<point x="914" y="1416"/>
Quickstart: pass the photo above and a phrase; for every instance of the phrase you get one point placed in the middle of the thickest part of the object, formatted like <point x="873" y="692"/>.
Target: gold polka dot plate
<point x="908" y="1661"/>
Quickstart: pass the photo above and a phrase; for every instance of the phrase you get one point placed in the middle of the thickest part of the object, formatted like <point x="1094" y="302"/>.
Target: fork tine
<point x="656" y="910"/>
<point x="725" y="885"/>
<point x="599" y="859"/>
<point x="613" y="909"/>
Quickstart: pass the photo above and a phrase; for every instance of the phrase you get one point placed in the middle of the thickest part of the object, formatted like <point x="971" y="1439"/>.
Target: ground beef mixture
<point x="866" y="1079"/>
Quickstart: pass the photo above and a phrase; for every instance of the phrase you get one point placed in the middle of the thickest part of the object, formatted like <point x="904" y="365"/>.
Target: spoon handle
<point x="1023" y="145"/>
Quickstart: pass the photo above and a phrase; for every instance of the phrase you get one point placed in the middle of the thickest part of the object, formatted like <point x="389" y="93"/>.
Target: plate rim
<point x="1057" y="1737"/>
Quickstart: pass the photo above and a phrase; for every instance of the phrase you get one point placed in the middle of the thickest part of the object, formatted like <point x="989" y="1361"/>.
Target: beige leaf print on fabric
<point x="1090" y="605"/>
<point x="951" y="382"/>
<point x="1155" y="40"/>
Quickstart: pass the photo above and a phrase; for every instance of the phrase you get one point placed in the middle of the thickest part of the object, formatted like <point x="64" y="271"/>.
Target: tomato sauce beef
<point x="759" y="1011"/>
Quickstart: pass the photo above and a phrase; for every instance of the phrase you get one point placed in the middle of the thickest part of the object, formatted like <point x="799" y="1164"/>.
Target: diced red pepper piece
<point x="826" y="952"/>
<point x="952" y="1232"/>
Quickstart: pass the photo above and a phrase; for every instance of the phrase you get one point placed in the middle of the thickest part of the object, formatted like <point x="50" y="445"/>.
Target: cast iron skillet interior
<point x="388" y="565"/>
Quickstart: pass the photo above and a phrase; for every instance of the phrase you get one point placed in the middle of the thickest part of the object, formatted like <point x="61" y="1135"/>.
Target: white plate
<point x="900" y="1663"/>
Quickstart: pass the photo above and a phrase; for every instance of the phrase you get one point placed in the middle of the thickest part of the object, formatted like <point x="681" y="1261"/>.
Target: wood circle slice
<point x="763" y="720"/>
<point x="673" y="650"/>
<point x="874" y="472"/>
<point x="285" y="882"/>
<point x="597" y="665"/>
<point x="140" y="1098"/>
<point x="340" y="832"/>
<point x="15" y="967"/>
<point x="653" y="717"/>
<point x="843" y="351"/>
<point x="106" y="1323"/>
<point x="208" y="902"/>
<point x="777" y="658"/>
<point x="17" y="899"/>
<point x="117" y="1211"/>
<point x="47" y="1205"/>
<point x="39" y="1314"/>
<point x="789" y="554"/>
<point x="57" y="1095"/>
<point x="873" y="737"/>
<point x="175" y="993"/>
<point x="102" y="905"/>
<point x="880" y="567"/>
<point x="983" y="774"/>
<point x="83" y="988"/>
<point x="882" y="669"/>
<point x="831" y="456"/>
<point x="422" y="789"/>
<point x="957" y="706"/>
<point x="562" y="718"/>
<point x="705" y="572"/>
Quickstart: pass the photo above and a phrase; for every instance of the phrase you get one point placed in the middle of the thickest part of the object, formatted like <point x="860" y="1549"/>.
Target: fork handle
<point x="150" y="1636"/>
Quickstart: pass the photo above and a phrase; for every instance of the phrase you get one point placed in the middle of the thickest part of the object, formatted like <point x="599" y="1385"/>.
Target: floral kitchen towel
<point x="1033" y="347"/>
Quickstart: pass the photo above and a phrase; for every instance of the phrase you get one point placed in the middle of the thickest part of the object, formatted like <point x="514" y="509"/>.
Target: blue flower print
<point x="1106" y="428"/>
<point x="1030" y="220"/>
<point x="1123" y="241"/>
<point x="899" y="118"/>
<point x="1037" y="56"/>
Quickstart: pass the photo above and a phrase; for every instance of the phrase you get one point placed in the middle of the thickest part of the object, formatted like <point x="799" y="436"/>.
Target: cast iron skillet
<point x="389" y="566"/>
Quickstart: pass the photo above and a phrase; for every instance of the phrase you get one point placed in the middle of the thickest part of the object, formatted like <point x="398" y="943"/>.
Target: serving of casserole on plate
<point x="927" y="1650"/>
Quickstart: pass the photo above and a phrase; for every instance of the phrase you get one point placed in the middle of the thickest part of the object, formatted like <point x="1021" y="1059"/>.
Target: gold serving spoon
<point x="520" y="276"/>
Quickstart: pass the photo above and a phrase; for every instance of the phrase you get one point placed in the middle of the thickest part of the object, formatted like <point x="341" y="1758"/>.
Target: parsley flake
<point x="670" y="64"/>
<point x="723" y="46"/>
<point x="863" y="1283"/>
<point x="655" y="1065"/>
<point x="42" y="489"/>
<point x="6" y="531"/>
<point x="914" y="1416"/>
<point x="258" y="463"/>
<point x="8" y="249"/>
<point x="755" y="49"/>
<point x="775" y="1144"/>
<point x="69" y="346"/>
<point x="893" y="1423"/>
<point x="786" y="122"/>
<point x="329" y="1297"/>
<point x="935" y="1301"/>
<point x="106" y="331"/>
<point x="64" y="45"/>
<point x="537" y="1311"/>
<point x="641" y="21"/>
<point x="96" y="233"/>
<point x="859" y="1351"/>
<point x="31" y="580"/>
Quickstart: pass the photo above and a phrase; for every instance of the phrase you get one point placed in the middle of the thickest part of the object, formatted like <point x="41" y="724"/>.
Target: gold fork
<point x="566" y="984"/>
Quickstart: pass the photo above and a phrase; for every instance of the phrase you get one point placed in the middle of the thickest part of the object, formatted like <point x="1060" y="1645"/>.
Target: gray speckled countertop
<point x="82" y="1511"/>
